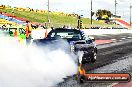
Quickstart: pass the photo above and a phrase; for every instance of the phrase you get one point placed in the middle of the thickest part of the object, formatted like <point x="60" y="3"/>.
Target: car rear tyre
<point x="93" y="59"/>
<point x="80" y="79"/>
<point x="84" y="62"/>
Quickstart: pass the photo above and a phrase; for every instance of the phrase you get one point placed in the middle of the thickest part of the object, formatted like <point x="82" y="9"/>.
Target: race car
<point x="77" y="40"/>
<point x="15" y="31"/>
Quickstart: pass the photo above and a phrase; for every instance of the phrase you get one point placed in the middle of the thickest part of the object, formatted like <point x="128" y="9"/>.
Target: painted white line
<point x="112" y="85"/>
<point x="107" y="42"/>
<point x="113" y="39"/>
<point x="129" y="37"/>
<point x="123" y="38"/>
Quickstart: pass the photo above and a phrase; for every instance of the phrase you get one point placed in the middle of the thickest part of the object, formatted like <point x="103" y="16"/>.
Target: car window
<point x="66" y="34"/>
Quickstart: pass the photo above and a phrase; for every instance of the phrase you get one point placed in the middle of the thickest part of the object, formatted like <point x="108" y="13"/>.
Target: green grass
<point x="56" y="20"/>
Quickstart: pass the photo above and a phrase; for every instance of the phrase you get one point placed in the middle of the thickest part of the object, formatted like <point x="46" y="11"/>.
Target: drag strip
<point x="110" y="54"/>
<point x="59" y="65"/>
<point x="113" y="36"/>
<point x="107" y="55"/>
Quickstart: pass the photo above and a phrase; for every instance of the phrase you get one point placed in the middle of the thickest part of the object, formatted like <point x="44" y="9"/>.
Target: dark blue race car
<point x="70" y="40"/>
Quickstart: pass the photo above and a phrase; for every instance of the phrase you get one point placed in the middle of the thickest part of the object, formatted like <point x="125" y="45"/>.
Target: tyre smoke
<point x="31" y="66"/>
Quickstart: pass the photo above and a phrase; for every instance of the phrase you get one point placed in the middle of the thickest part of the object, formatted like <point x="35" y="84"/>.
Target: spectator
<point x="64" y="26"/>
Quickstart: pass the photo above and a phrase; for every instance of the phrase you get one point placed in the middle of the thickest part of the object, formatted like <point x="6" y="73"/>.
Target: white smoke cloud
<point x="30" y="66"/>
<point x="80" y="54"/>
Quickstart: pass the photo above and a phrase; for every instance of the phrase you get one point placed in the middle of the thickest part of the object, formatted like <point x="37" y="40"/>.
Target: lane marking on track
<point x="98" y="42"/>
<point x="128" y="84"/>
<point x="113" y="39"/>
<point x="123" y="38"/>
<point x="112" y="84"/>
<point x="129" y="37"/>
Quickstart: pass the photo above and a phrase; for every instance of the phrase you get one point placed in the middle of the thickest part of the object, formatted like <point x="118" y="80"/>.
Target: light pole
<point x="115" y="10"/>
<point x="115" y="7"/>
<point x="130" y="15"/>
<point x="91" y="12"/>
<point x="48" y="12"/>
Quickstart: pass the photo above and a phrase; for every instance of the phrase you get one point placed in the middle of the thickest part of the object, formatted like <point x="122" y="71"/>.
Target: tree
<point x="100" y="14"/>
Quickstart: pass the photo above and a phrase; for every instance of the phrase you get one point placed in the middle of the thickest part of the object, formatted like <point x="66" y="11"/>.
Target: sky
<point x="81" y="7"/>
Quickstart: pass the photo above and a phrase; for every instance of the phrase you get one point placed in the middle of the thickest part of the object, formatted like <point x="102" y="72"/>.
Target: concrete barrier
<point x="105" y="31"/>
<point x="40" y="33"/>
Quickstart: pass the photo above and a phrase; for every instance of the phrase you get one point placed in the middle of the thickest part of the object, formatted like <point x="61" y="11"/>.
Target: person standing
<point x="28" y="32"/>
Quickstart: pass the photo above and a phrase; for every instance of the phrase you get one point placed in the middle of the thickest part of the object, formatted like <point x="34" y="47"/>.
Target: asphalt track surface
<point x="108" y="58"/>
<point x="120" y="48"/>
